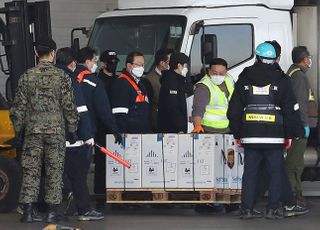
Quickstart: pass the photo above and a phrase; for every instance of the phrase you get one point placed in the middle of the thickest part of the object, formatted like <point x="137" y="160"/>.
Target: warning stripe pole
<point x="113" y="156"/>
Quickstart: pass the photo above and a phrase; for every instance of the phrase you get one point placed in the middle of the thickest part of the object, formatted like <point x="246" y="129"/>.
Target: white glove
<point x="90" y="142"/>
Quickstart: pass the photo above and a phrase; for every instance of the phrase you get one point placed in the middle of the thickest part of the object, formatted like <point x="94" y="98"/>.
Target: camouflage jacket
<point x="44" y="102"/>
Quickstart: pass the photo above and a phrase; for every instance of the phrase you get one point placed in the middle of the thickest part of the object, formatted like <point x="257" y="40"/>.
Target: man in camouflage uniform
<point x="42" y="108"/>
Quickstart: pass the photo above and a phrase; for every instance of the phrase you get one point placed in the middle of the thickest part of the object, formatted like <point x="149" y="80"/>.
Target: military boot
<point x="30" y="215"/>
<point x="52" y="216"/>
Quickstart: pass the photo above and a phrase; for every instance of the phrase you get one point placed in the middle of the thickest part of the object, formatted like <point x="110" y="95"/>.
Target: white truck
<point x="203" y="29"/>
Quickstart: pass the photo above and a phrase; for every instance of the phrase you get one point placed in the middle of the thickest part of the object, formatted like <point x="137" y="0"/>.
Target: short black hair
<point x="86" y="53"/>
<point x="44" y="45"/>
<point x="299" y="53"/>
<point x="162" y="55"/>
<point x="276" y="46"/>
<point x="65" y="56"/>
<point x="132" y="55"/>
<point x="219" y="61"/>
<point x="178" y="58"/>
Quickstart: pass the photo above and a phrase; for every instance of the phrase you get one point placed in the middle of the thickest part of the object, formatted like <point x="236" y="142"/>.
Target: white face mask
<point x="94" y="68"/>
<point x="184" y="71"/>
<point x="310" y="64"/>
<point x="217" y="79"/>
<point x="138" y="71"/>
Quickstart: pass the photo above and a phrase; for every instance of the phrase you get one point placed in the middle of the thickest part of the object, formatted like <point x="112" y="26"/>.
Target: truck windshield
<point x="145" y="34"/>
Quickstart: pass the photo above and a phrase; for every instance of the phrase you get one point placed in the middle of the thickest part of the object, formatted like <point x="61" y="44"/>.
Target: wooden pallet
<point x="171" y="196"/>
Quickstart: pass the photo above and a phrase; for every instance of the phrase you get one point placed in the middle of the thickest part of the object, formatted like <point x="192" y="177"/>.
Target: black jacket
<point x="261" y="75"/>
<point x="97" y="101"/>
<point x="107" y="82"/>
<point x="172" y="116"/>
<point x="84" y="130"/>
<point x="131" y="117"/>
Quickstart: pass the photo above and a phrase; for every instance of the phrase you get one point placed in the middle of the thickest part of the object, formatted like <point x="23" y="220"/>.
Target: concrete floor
<point x="176" y="218"/>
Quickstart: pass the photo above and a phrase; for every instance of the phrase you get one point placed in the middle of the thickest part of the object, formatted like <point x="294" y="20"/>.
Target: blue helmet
<point x="266" y="50"/>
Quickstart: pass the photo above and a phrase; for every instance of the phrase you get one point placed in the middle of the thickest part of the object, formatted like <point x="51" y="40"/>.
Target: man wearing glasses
<point x="130" y="103"/>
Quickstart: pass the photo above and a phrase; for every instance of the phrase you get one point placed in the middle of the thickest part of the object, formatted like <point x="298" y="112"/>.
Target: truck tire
<point x="10" y="184"/>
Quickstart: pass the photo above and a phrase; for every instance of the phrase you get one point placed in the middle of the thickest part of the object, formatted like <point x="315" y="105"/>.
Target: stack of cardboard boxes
<point x="175" y="161"/>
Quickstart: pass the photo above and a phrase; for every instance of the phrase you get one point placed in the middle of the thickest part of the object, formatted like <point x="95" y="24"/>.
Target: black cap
<point x="178" y="58"/>
<point x="46" y="41"/>
<point x="109" y="56"/>
<point x="299" y="53"/>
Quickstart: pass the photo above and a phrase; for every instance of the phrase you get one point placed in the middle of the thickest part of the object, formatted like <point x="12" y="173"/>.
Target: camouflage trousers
<point x="39" y="149"/>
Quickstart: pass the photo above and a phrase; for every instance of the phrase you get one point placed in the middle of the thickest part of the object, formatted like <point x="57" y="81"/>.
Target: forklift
<point x="23" y="23"/>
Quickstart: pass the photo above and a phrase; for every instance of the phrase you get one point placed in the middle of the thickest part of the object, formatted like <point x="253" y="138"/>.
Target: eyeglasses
<point x="139" y="65"/>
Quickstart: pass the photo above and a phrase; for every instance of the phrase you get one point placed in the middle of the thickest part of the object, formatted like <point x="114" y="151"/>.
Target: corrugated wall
<point x="68" y="14"/>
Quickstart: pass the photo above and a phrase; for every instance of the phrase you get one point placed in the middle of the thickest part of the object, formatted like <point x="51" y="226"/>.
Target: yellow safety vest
<point x="215" y="115"/>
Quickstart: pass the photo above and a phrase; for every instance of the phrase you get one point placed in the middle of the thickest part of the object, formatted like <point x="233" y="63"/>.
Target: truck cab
<point x="229" y="29"/>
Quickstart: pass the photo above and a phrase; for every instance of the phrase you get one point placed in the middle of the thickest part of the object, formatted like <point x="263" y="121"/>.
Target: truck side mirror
<point x="209" y="48"/>
<point x="75" y="45"/>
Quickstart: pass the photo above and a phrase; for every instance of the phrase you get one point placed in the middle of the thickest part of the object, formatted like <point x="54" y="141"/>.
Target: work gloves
<point x="90" y="142"/>
<point x="72" y="137"/>
<point x="118" y="138"/>
<point x="198" y="129"/>
<point x="306" y="131"/>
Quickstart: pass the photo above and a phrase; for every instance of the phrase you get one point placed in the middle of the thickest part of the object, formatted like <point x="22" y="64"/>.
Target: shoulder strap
<point x="132" y="83"/>
<point x="293" y="71"/>
<point x="82" y="74"/>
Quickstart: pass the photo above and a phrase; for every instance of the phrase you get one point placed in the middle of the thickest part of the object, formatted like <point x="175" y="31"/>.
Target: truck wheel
<point x="10" y="183"/>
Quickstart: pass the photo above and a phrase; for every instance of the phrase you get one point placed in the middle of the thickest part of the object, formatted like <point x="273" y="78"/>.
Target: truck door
<point x="232" y="41"/>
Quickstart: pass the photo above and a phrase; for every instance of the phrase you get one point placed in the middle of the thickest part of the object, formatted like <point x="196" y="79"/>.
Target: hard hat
<point x="266" y="50"/>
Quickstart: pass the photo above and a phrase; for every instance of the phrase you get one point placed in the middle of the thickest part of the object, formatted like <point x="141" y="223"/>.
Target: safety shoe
<point x="30" y="215"/>
<point x="91" y="215"/>
<point x="52" y="215"/>
<point x="274" y="214"/>
<point x="248" y="214"/>
<point x="294" y="210"/>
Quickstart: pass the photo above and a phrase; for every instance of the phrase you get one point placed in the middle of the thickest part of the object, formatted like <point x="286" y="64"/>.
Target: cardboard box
<point x="170" y="144"/>
<point x="185" y="161"/>
<point x="209" y="163"/>
<point x="132" y="154"/>
<point x="152" y="161"/>
<point x="231" y="164"/>
<point x="114" y="170"/>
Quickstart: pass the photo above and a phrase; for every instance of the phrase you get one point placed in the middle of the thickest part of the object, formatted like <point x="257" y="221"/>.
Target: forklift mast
<point x="23" y="24"/>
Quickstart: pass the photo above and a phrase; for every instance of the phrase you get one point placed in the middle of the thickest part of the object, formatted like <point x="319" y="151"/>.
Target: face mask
<point x="74" y="67"/>
<point x="310" y="64"/>
<point x="94" y="68"/>
<point x="184" y="71"/>
<point x="217" y="79"/>
<point x="111" y="67"/>
<point x="138" y="71"/>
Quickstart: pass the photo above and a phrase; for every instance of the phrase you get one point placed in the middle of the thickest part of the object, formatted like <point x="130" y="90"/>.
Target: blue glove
<point x="306" y="131"/>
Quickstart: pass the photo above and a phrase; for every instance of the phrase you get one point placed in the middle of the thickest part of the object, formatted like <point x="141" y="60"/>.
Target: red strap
<point x="82" y="74"/>
<point x="140" y="97"/>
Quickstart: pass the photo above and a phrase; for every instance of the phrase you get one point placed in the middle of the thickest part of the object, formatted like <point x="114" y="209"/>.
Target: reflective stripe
<point x="82" y="74"/>
<point x="216" y="107"/>
<point x="214" y="117"/>
<point x="82" y="109"/>
<point x="120" y="110"/>
<point x="77" y="144"/>
<point x="140" y="97"/>
<point x="262" y="140"/>
<point x="89" y="82"/>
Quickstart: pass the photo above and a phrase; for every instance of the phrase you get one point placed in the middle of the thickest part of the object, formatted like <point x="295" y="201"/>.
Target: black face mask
<point x="111" y="67"/>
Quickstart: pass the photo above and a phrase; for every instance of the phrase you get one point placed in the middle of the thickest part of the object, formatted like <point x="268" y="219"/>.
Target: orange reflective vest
<point x="140" y="97"/>
<point x="82" y="74"/>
